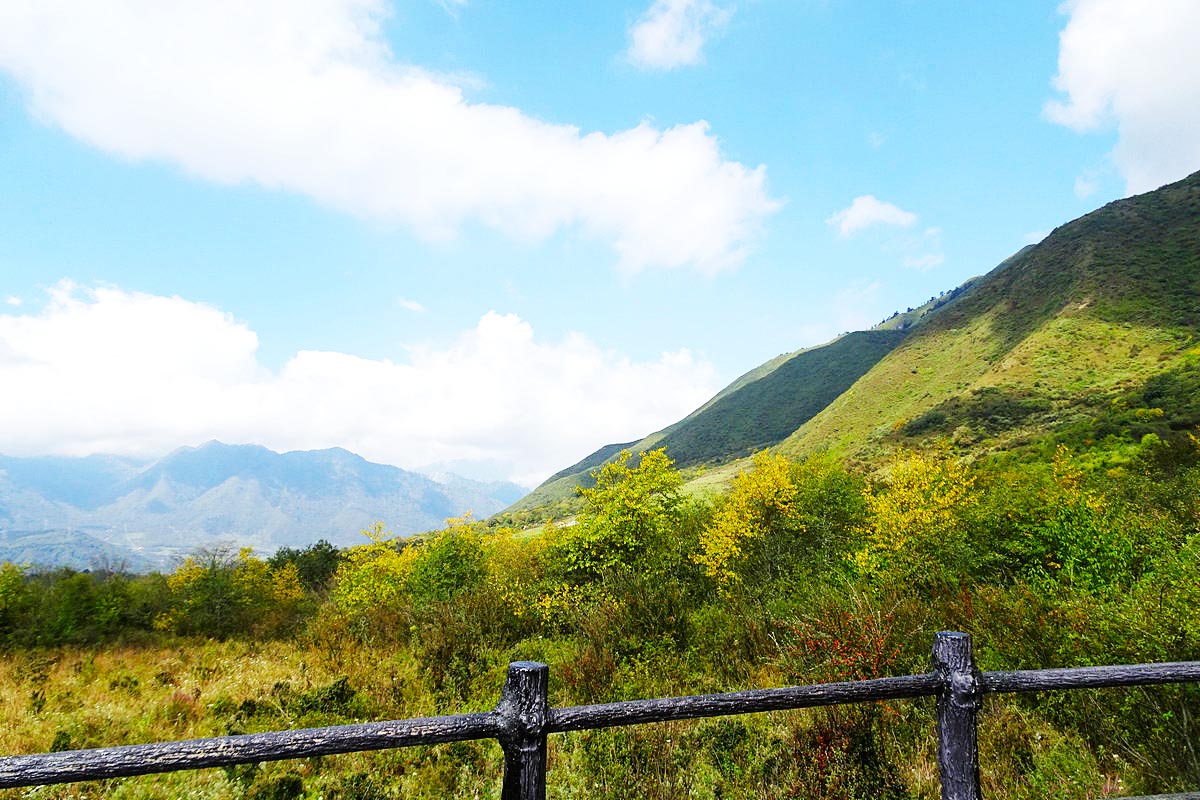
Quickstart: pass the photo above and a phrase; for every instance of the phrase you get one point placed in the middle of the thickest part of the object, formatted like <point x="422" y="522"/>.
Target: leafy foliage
<point x="626" y="518"/>
<point x="373" y="577"/>
<point x="826" y="573"/>
<point x="913" y="528"/>
<point x="315" y="564"/>
<point x="761" y="504"/>
<point x="216" y="594"/>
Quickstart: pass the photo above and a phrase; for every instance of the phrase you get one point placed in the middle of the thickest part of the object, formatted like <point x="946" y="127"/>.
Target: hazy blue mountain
<point x="82" y="482"/>
<point x="74" y="549"/>
<point x="219" y="494"/>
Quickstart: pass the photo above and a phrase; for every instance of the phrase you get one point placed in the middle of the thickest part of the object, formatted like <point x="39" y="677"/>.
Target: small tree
<point x="374" y="575"/>
<point x="452" y="563"/>
<point x="915" y="526"/>
<point x="14" y="601"/>
<point x="760" y="504"/>
<point x="627" y="515"/>
<point x="315" y="564"/>
<point x="215" y="593"/>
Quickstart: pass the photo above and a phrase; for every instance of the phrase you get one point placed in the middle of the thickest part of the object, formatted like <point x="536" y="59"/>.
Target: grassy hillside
<point x="1038" y="348"/>
<point x="1101" y="306"/>
<point x="765" y="411"/>
<point x="556" y="496"/>
<point x="754" y="412"/>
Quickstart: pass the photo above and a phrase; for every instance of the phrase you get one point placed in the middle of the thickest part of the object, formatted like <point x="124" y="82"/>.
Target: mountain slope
<point x="756" y="411"/>
<point x="81" y="482"/>
<point x="764" y="411"/>
<point x="1096" y="309"/>
<point x="1051" y="338"/>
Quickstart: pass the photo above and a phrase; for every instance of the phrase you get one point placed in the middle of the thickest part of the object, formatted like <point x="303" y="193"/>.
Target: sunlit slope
<point x="765" y="411"/>
<point x="756" y="411"/>
<point x="555" y="496"/>
<point x="1101" y="305"/>
<point x="1046" y="341"/>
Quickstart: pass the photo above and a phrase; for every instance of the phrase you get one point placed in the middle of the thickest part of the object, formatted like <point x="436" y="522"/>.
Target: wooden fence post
<point x="958" y="702"/>
<point x="524" y="705"/>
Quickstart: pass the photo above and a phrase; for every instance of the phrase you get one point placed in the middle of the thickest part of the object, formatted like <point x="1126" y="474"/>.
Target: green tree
<point x="215" y="593"/>
<point x="915" y="526"/>
<point x="627" y="517"/>
<point x="315" y="564"/>
<point x="14" y="601"/>
<point x="760" y="504"/>
<point x="373" y="577"/>
<point x="452" y="563"/>
<point x="1082" y="539"/>
<point x="782" y="519"/>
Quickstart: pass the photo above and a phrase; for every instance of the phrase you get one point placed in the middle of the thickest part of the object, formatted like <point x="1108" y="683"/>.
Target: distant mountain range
<point x="1076" y="333"/>
<point x="114" y="511"/>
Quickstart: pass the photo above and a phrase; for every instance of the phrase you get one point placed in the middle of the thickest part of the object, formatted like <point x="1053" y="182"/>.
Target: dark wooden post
<point x="524" y="705"/>
<point x="958" y="702"/>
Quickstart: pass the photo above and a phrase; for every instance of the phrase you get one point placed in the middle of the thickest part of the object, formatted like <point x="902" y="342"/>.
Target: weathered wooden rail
<point x="523" y="719"/>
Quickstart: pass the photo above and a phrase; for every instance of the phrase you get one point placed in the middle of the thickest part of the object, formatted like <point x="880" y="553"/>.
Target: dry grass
<point x="74" y="698"/>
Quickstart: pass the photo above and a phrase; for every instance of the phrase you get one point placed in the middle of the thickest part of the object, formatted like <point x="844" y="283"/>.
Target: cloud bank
<point x="108" y="370"/>
<point x="866" y="211"/>
<point x="305" y="96"/>
<point x="1131" y="64"/>
<point x="672" y="33"/>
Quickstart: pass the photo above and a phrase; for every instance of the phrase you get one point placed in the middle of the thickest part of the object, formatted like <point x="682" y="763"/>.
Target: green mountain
<point x="756" y="411"/>
<point x="1089" y="337"/>
<point x="1047" y="340"/>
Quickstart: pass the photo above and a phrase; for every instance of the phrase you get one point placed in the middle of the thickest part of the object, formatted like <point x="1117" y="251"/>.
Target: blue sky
<point x="500" y="235"/>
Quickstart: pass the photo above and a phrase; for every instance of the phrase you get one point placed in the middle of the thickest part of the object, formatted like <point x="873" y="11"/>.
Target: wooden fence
<point x="523" y="719"/>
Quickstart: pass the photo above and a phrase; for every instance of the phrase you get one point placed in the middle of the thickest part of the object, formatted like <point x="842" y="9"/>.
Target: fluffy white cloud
<point x="866" y="211"/>
<point x="1132" y="64"/>
<point x="305" y="96"/>
<point x="107" y="370"/>
<point x="924" y="252"/>
<point x="856" y="307"/>
<point x="672" y="33"/>
<point x="924" y="262"/>
<point x="1087" y="184"/>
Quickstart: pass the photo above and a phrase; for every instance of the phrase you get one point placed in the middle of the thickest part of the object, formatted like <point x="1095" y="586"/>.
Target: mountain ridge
<point x="1098" y="307"/>
<point x="151" y="512"/>
<point x="1102" y="303"/>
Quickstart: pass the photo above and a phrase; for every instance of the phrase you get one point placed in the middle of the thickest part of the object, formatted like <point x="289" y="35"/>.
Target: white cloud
<point x="672" y="33"/>
<point x="924" y="262"/>
<point x="856" y="306"/>
<point x="12" y="300"/>
<point x="452" y="7"/>
<point x="876" y="139"/>
<point x="930" y="242"/>
<point x="304" y="96"/>
<point x="1132" y="65"/>
<point x="411" y="305"/>
<point x="1085" y="186"/>
<point x="108" y="370"/>
<point x="866" y="211"/>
